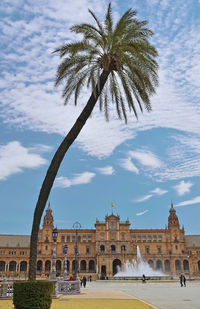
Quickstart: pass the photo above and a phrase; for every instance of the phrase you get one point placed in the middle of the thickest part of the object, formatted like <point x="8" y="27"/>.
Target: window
<point x="39" y="252"/>
<point x="144" y="238"/>
<point x="159" y="249"/>
<point x="102" y="236"/>
<point x="159" y="238"/>
<point x="133" y="238"/>
<point x="147" y="249"/>
<point x="112" y="226"/>
<point x="87" y="250"/>
<point x="68" y="238"/>
<point x="123" y="248"/>
<point x="154" y="238"/>
<point x="112" y="235"/>
<point x="84" y="238"/>
<point x="149" y="238"/>
<point x="73" y="238"/>
<point x="46" y="247"/>
<point x="122" y="236"/>
<point x="40" y="237"/>
<point x="139" y="238"/>
<point x="113" y="248"/>
<point x="62" y="238"/>
<point x="102" y="248"/>
<point x="79" y="238"/>
<point x="89" y="238"/>
<point x="47" y="239"/>
<point x="176" y="247"/>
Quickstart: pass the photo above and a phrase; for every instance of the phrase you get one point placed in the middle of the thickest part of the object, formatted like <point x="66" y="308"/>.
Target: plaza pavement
<point x="163" y="295"/>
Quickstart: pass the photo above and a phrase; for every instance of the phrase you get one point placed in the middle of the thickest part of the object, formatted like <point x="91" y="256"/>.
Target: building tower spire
<point x="173" y="219"/>
<point x="48" y="218"/>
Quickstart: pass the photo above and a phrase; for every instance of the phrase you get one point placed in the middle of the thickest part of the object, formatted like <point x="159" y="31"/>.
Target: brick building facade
<point x="111" y="243"/>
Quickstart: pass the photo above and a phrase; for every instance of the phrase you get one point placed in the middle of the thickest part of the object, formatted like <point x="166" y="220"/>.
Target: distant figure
<point x="143" y="279"/>
<point x="81" y="281"/>
<point x="90" y="278"/>
<point x="184" y="280"/>
<point x="84" y="281"/>
<point x="181" y="280"/>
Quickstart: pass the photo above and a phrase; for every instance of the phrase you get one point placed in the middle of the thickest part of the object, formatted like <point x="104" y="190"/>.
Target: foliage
<point x="33" y="294"/>
<point x="122" y="50"/>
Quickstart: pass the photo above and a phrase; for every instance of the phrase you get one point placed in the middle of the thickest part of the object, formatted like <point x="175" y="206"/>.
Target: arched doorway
<point x="150" y="262"/>
<point x="113" y="248"/>
<point x="167" y="266"/>
<point x="23" y="266"/>
<point x="47" y="266"/>
<point x="83" y="266"/>
<point x="178" y="266"/>
<point x="158" y="265"/>
<point x="198" y="265"/>
<point x="116" y="266"/>
<point x="39" y="266"/>
<point x="73" y="266"/>
<point x="103" y="272"/>
<point x="58" y="266"/>
<point x="102" y="248"/>
<point x="91" y="266"/>
<point x="2" y="266"/>
<point x="186" y="266"/>
<point x="12" y="266"/>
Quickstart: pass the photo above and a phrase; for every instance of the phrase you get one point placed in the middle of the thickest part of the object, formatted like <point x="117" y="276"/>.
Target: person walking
<point x="143" y="278"/>
<point x="181" y="280"/>
<point x="184" y="280"/>
<point x="84" y="281"/>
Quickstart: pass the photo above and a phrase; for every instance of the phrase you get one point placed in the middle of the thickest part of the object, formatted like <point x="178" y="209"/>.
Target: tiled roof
<point x="192" y="240"/>
<point x="14" y="241"/>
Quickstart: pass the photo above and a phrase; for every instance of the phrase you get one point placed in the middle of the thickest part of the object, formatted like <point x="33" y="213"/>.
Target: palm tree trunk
<point x="53" y="169"/>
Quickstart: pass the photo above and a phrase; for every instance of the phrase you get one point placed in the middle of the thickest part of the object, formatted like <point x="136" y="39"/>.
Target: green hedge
<point x="33" y="294"/>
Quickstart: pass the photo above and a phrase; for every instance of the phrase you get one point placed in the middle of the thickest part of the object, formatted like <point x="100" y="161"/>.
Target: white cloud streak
<point x="14" y="158"/>
<point x="78" y="179"/>
<point x="195" y="200"/>
<point x="144" y="198"/>
<point x="128" y="165"/>
<point x="107" y="170"/>
<point x="146" y="158"/>
<point x="142" y="213"/>
<point x="158" y="191"/>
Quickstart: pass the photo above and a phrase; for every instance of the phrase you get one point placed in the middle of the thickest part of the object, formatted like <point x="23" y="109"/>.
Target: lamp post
<point x="65" y="248"/>
<point x="76" y="226"/>
<point x="54" y="236"/>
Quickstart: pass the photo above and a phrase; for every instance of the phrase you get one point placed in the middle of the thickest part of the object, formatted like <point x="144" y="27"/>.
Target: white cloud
<point x="107" y="170"/>
<point x="14" y="158"/>
<point x="142" y="213"/>
<point x="159" y="191"/>
<point x="144" y="198"/>
<point x="78" y="179"/>
<point x="128" y="165"/>
<point x="146" y="158"/>
<point x="195" y="200"/>
<point x="183" y="187"/>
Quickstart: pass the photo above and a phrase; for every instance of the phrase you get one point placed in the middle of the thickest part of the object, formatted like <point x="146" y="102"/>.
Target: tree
<point x="119" y="64"/>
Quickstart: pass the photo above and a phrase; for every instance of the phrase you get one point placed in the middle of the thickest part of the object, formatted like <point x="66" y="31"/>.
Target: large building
<point x="111" y="243"/>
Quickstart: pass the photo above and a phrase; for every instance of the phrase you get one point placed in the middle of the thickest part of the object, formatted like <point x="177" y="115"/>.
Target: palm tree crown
<point x="123" y="51"/>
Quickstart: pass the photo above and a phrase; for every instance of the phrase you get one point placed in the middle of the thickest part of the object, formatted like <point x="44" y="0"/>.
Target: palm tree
<point x="119" y="64"/>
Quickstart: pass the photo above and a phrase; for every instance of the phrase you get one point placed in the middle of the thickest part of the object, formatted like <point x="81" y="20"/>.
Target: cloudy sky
<point x="141" y="166"/>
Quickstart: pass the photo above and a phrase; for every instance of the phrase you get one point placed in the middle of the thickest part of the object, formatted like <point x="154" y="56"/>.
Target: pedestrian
<point x="181" y="280"/>
<point x="143" y="278"/>
<point x="184" y="280"/>
<point x="84" y="281"/>
<point x="81" y="280"/>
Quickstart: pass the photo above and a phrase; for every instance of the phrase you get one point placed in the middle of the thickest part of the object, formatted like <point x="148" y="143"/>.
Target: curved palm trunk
<point x="53" y="169"/>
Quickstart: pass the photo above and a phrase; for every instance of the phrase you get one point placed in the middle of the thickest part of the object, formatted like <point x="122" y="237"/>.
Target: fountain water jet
<point x="137" y="268"/>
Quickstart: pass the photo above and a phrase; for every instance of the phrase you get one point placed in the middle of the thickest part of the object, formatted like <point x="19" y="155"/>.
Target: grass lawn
<point x="88" y="304"/>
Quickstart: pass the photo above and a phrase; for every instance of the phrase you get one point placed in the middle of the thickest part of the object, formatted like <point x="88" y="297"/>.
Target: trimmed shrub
<point x="33" y="294"/>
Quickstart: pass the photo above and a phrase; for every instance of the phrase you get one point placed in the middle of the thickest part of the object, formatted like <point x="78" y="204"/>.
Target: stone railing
<point x="6" y="289"/>
<point x="67" y="287"/>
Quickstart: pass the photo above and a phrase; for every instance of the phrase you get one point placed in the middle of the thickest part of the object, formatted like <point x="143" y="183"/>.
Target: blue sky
<point x="141" y="166"/>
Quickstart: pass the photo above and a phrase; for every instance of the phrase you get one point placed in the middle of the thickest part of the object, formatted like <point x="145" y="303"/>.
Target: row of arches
<point x="82" y="265"/>
<point x="166" y="266"/>
<point x="12" y="266"/>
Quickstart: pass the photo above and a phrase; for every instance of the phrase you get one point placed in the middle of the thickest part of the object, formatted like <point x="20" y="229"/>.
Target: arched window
<point x="150" y="262"/>
<point x="73" y="265"/>
<point x="167" y="266"/>
<point x="47" y="266"/>
<point x="79" y="238"/>
<point x="2" y="266"/>
<point x="83" y="265"/>
<point x="178" y="265"/>
<point x="198" y="265"/>
<point x="159" y="265"/>
<point x="39" y="266"/>
<point x="12" y="266"/>
<point x="113" y="248"/>
<point x="116" y="266"/>
<point x="102" y="248"/>
<point x="23" y="266"/>
<point x="91" y="265"/>
<point x="186" y="265"/>
<point x="58" y="266"/>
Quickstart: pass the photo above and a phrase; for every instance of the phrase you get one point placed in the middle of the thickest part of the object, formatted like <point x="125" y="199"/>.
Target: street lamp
<point x="54" y="236"/>
<point x="76" y="226"/>
<point x="65" y="248"/>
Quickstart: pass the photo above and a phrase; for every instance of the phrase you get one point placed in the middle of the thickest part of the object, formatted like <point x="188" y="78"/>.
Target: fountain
<point x="136" y="269"/>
